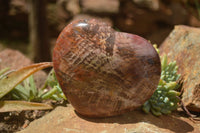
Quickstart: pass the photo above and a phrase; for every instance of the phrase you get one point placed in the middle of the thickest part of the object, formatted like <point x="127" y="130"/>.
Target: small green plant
<point x="28" y="91"/>
<point x="9" y="81"/>
<point x="165" y="98"/>
<point x="56" y="92"/>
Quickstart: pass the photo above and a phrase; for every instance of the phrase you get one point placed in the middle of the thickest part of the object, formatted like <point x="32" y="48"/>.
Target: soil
<point x="15" y="121"/>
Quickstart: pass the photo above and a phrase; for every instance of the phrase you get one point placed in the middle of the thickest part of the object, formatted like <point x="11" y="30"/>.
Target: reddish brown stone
<point x="183" y="46"/>
<point x="103" y="72"/>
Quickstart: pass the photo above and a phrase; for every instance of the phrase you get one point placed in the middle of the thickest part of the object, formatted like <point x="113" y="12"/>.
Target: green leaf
<point x="19" y="93"/>
<point x="51" y="80"/>
<point x="146" y="107"/>
<point x="14" y="78"/>
<point x="156" y="48"/>
<point x="171" y="85"/>
<point x="164" y="62"/>
<point x="7" y="106"/>
<point x="33" y="87"/>
<point x="49" y="93"/>
<point x="3" y="71"/>
<point x="156" y="113"/>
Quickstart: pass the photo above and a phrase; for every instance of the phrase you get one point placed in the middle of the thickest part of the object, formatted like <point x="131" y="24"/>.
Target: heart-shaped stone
<point x="103" y="72"/>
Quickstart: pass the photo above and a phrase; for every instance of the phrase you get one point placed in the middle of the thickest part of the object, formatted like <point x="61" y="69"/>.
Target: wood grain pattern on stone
<point x="183" y="46"/>
<point x="65" y="120"/>
<point x="103" y="72"/>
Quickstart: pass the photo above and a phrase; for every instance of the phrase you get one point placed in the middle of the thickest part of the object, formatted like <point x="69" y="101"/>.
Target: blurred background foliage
<point x="152" y="19"/>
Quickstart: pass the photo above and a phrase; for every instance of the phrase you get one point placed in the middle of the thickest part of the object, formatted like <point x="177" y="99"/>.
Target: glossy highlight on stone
<point x="104" y="72"/>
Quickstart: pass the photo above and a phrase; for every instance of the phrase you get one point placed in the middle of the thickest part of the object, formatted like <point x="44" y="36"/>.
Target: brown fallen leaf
<point x="7" y="106"/>
<point x="14" y="78"/>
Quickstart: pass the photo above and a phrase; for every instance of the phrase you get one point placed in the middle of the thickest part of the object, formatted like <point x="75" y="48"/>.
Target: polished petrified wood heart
<point x="103" y="72"/>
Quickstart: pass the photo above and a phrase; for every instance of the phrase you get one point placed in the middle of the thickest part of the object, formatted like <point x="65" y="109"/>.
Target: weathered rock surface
<point x="73" y="6"/>
<point x="100" y="6"/>
<point x="14" y="60"/>
<point x="183" y="46"/>
<point x="151" y="4"/>
<point x="66" y="120"/>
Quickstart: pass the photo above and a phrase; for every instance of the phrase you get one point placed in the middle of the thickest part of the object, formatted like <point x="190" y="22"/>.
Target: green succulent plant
<point x="29" y="92"/>
<point x="169" y="71"/>
<point x="56" y="92"/>
<point x="165" y="98"/>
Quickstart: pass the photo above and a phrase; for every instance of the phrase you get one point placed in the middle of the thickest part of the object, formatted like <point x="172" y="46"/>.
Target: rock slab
<point x="66" y="120"/>
<point x="100" y="6"/>
<point x="183" y="46"/>
<point x="14" y="60"/>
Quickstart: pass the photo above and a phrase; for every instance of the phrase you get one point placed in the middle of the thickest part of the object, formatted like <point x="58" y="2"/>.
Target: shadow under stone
<point x="169" y="122"/>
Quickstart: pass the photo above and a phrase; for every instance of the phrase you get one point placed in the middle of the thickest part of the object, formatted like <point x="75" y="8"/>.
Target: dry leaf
<point x="7" y="106"/>
<point x="14" y="78"/>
